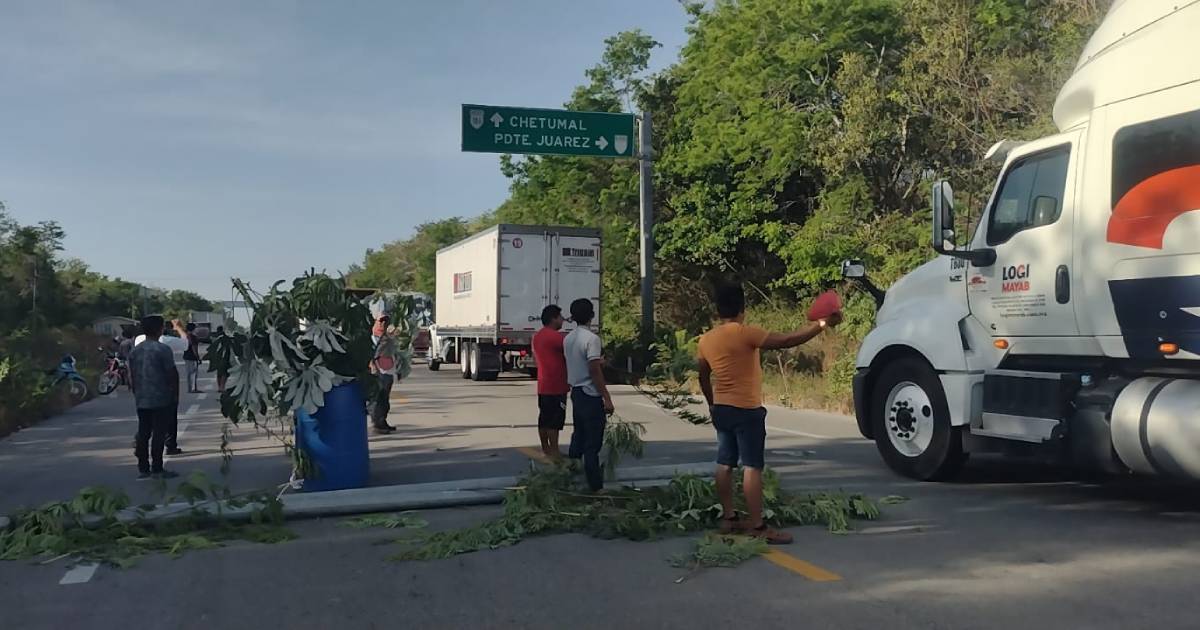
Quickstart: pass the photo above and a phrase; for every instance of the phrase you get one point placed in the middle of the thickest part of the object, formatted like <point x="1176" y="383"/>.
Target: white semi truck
<point x="492" y="287"/>
<point x="1068" y="325"/>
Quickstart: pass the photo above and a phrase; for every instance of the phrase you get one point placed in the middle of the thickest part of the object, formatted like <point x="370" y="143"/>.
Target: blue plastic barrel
<point x="335" y="441"/>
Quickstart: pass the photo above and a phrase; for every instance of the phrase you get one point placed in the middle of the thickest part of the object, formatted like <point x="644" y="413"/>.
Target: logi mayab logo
<point x="1015" y="278"/>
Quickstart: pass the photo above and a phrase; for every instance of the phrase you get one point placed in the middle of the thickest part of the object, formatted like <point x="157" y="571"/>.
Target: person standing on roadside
<point x="191" y="358"/>
<point x="221" y="378"/>
<point x="731" y="379"/>
<point x="383" y="366"/>
<point x="552" y="387"/>
<point x="155" y="382"/>
<point x="178" y="343"/>
<point x="590" y="402"/>
<point x="125" y="346"/>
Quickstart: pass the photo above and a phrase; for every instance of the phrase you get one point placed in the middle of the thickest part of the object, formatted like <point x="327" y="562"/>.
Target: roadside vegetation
<point x="47" y="305"/>
<point x="790" y="134"/>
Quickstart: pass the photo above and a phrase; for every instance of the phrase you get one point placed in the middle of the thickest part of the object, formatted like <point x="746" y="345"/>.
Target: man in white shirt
<point x="590" y="402"/>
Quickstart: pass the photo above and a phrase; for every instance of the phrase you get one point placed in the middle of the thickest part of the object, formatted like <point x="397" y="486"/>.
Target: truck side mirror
<point x="943" y="215"/>
<point x="853" y="269"/>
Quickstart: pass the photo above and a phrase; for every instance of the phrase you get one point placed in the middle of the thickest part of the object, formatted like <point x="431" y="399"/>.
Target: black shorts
<point x="552" y="412"/>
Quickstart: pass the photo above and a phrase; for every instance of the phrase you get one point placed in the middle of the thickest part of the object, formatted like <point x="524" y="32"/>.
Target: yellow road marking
<point x="399" y="399"/>
<point x="534" y="453"/>
<point x="796" y="565"/>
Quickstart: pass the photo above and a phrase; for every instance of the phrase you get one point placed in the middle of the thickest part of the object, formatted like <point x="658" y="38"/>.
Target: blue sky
<point x="181" y="143"/>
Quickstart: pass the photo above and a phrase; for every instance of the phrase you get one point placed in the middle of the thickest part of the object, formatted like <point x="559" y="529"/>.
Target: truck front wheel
<point x="911" y="422"/>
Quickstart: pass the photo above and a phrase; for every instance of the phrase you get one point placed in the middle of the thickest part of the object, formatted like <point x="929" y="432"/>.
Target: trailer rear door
<point x="524" y="281"/>
<point x="576" y="273"/>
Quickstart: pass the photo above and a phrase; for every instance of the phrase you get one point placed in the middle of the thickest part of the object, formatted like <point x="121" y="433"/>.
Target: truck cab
<point x="1068" y="324"/>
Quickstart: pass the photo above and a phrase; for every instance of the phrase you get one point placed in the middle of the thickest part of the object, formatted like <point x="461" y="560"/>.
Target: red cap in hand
<point x="825" y="305"/>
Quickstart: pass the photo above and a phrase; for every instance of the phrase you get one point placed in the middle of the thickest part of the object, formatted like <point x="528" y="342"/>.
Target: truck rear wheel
<point x="464" y="359"/>
<point x="473" y="353"/>
<point x="911" y="422"/>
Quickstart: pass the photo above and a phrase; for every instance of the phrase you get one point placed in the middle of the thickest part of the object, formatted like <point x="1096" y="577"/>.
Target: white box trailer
<point x="492" y="287"/>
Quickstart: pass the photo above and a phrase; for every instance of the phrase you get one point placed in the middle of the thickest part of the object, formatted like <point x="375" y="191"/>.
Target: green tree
<point x="410" y="264"/>
<point x="590" y="192"/>
<point x="178" y="304"/>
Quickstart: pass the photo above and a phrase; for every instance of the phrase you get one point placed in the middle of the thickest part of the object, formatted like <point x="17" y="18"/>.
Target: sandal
<point x="731" y="525"/>
<point x="772" y="536"/>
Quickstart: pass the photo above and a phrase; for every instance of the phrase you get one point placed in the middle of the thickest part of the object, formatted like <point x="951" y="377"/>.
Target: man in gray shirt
<point x="590" y="402"/>
<point x="155" y="382"/>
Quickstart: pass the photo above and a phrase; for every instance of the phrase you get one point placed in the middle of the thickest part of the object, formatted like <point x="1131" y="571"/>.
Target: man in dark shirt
<point x="552" y="385"/>
<point x="191" y="357"/>
<point x="155" y="382"/>
<point x="126" y="344"/>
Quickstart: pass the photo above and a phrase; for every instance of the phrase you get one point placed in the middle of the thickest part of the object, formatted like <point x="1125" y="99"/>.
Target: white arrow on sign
<point x="497" y="119"/>
<point x="602" y="143"/>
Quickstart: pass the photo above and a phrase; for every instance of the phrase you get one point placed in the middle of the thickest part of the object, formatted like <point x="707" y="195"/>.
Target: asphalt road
<point x="1008" y="545"/>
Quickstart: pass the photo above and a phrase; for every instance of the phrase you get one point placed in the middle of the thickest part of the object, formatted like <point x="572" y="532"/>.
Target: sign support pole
<point x="646" y="203"/>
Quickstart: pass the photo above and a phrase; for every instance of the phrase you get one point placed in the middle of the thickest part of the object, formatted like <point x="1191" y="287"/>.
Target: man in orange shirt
<point x="731" y="378"/>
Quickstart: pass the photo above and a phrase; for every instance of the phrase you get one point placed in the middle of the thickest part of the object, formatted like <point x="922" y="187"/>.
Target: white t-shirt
<point x="580" y="347"/>
<point x="176" y="344"/>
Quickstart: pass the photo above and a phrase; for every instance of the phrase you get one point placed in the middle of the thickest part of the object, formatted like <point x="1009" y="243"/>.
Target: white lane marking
<point x="800" y="433"/>
<point x="202" y="396"/>
<point x="79" y="574"/>
<point x="192" y="409"/>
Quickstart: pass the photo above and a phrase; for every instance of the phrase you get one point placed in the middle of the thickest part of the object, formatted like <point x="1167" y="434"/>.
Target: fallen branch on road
<point x="91" y="527"/>
<point x="673" y="400"/>
<point x="550" y="501"/>
<point x="621" y="437"/>
<point x="718" y="550"/>
<point x="404" y="520"/>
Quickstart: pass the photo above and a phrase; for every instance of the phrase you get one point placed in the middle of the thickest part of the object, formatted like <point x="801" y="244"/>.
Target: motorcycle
<point x="116" y="374"/>
<point x="66" y="374"/>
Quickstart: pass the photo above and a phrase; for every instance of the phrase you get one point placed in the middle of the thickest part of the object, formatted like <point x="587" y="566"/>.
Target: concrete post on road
<point x="646" y="203"/>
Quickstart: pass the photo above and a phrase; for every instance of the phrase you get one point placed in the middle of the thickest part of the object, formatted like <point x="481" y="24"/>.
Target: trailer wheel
<point x="464" y="359"/>
<point x="473" y="353"/>
<point x="911" y="422"/>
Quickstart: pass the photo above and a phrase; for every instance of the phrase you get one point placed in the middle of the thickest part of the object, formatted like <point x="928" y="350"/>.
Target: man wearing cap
<point x="383" y="366"/>
<point x="155" y="382"/>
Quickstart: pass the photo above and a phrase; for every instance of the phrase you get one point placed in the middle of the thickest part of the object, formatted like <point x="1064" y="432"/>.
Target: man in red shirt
<point x="552" y="385"/>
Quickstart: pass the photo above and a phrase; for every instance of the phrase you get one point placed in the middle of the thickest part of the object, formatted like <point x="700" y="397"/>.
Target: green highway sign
<point x="493" y="129"/>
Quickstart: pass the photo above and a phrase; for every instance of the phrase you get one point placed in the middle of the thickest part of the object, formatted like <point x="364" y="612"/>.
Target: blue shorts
<point x="741" y="435"/>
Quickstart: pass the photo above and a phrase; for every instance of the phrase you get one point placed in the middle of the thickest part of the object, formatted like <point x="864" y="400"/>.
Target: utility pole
<point x="646" y="203"/>
<point x="33" y="311"/>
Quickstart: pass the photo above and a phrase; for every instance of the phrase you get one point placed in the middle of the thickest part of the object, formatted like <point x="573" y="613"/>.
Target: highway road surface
<point x="1009" y="545"/>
